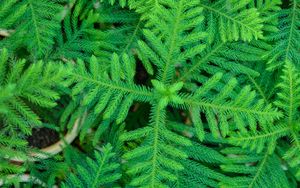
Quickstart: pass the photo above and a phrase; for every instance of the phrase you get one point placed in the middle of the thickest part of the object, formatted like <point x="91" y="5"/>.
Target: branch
<point x="6" y="33"/>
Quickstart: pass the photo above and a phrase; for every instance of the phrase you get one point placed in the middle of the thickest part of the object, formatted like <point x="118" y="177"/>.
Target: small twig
<point x="5" y="33"/>
<point x="55" y="148"/>
<point x="68" y="60"/>
<point x="26" y="178"/>
<point x="66" y="9"/>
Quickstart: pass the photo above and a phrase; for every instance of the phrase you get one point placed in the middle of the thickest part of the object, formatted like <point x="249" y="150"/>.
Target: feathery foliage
<point x="155" y="159"/>
<point x="34" y="84"/>
<point x="286" y="47"/>
<point x="101" y="172"/>
<point x="150" y="93"/>
<point x="36" y="21"/>
<point x="288" y="126"/>
<point x="21" y="87"/>
<point x="74" y="41"/>
<point x="167" y="45"/>
<point x="266" y="171"/>
<point x="220" y="109"/>
<point x="233" y="20"/>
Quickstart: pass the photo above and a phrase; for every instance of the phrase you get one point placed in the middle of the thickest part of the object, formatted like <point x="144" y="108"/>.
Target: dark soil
<point x="141" y="75"/>
<point x="42" y="137"/>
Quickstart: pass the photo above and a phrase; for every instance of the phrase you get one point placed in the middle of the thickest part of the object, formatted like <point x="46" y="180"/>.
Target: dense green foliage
<point x="166" y="93"/>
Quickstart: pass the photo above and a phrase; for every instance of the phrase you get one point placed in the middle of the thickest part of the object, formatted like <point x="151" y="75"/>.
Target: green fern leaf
<point x="155" y="158"/>
<point x="109" y="87"/>
<point x="220" y="108"/>
<point x="40" y="21"/>
<point x="98" y="172"/>
<point x="232" y="20"/>
<point x="260" y="140"/>
<point x="76" y="42"/>
<point x="165" y="51"/>
<point x="289" y="101"/>
<point x="256" y="170"/>
<point x="7" y="17"/>
<point x="287" y="46"/>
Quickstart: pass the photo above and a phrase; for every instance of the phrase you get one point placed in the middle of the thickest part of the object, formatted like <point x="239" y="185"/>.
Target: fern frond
<point x="30" y="87"/>
<point x="232" y="20"/>
<point x="34" y="84"/>
<point x="287" y="46"/>
<point x="198" y="175"/>
<point x="109" y="92"/>
<point x="196" y="171"/>
<point x="292" y="156"/>
<point x="166" y="51"/>
<point x="237" y="58"/>
<point x="289" y="97"/>
<point x="256" y="170"/>
<point x="121" y="37"/>
<point x="49" y="170"/>
<point x="264" y="84"/>
<point x="99" y="172"/>
<point x="39" y="24"/>
<point x="268" y="12"/>
<point x="243" y="109"/>
<point x="73" y="40"/>
<point x="156" y="157"/>
<point x="289" y="101"/>
<point x="9" y="18"/>
<point x="259" y="140"/>
<point x="234" y="58"/>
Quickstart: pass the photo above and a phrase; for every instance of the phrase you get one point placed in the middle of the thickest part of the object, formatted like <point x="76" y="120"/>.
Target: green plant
<point x="168" y="93"/>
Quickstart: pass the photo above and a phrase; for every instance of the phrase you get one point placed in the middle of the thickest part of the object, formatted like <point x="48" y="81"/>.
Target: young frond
<point x="173" y="44"/>
<point x="153" y="163"/>
<point x="99" y="172"/>
<point x="232" y="20"/>
<point x="222" y="109"/>
<point x="287" y="38"/>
